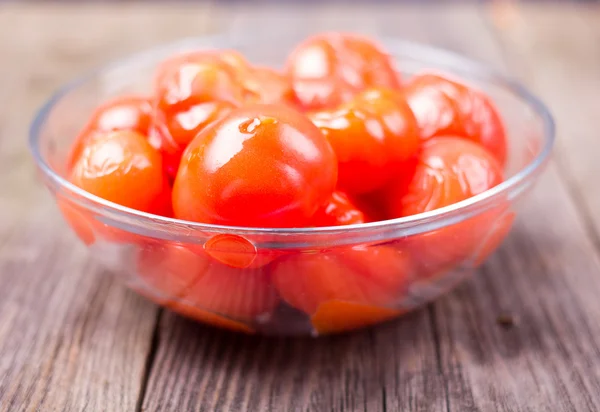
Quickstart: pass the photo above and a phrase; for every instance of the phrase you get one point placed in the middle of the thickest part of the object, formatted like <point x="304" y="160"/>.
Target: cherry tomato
<point x="123" y="168"/>
<point x="450" y="170"/>
<point x="132" y="113"/>
<point x="367" y="280"/>
<point x="198" y="77"/>
<point x="172" y="132"/>
<point x="79" y="220"/>
<point x="374" y="136"/>
<point x="444" y="106"/>
<point x="328" y="69"/>
<point x="197" y="286"/>
<point x="261" y="166"/>
<point x="338" y="211"/>
<point x="268" y="86"/>
<point x="195" y="89"/>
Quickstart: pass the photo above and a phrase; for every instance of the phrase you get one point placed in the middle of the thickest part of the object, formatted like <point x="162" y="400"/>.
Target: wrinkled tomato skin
<point x="374" y="136"/>
<point x="133" y="113"/>
<point x="445" y="106"/>
<point x="328" y="69"/>
<point x="338" y="211"/>
<point x="323" y="284"/>
<point x="122" y="168"/>
<point x="261" y="166"/>
<point x="450" y="170"/>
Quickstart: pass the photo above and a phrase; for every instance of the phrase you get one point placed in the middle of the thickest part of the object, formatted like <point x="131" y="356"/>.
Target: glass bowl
<point x="291" y="281"/>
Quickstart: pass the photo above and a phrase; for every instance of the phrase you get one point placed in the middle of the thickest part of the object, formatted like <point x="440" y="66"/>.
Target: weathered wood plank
<point x="71" y="337"/>
<point x="563" y="66"/>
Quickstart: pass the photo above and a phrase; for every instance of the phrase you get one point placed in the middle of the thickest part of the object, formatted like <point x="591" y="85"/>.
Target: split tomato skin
<point x="133" y="113"/>
<point x="444" y="106"/>
<point x="328" y="69"/>
<point x="261" y="166"/>
<point x="374" y="136"/>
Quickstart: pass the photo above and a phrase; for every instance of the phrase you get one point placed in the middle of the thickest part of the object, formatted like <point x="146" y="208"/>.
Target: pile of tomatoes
<point x="336" y="137"/>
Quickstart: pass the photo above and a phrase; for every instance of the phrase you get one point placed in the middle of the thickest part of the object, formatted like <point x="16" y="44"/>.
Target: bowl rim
<point x="458" y="63"/>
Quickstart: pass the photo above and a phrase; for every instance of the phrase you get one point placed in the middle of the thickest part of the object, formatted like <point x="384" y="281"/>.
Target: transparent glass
<point x="291" y="281"/>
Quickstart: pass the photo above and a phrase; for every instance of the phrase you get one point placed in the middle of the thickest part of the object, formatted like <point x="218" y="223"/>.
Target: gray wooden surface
<point x="74" y="339"/>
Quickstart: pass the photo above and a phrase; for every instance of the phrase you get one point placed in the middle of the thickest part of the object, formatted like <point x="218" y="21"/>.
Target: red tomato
<point x="198" y="77"/>
<point x="444" y="106"/>
<point x="82" y="223"/>
<point x="323" y="285"/>
<point x="123" y="168"/>
<point x="195" y="89"/>
<point x="132" y="113"/>
<point x="374" y="136"/>
<point x="450" y="170"/>
<point x="328" y="69"/>
<point x="199" y="287"/>
<point x="172" y="132"/>
<point x="261" y="166"/>
<point x="169" y="269"/>
<point x="338" y="211"/>
<point x="268" y="86"/>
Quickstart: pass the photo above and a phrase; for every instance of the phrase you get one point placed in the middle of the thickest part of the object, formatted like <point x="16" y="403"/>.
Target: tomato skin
<point x="123" y="168"/>
<point x="192" y="283"/>
<point x="338" y="211"/>
<point x="444" y="106"/>
<point x="328" y="69"/>
<point x="195" y="89"/>
<point x="261" y="166"/>
<point x="198" y="77"/>
<point x="450" y="170"/>
<point x="132" y="113"/>
<point x="172" y="132"/>
<point x="268" y="86"/>
<point x="319" y="284"/>
<point x="374" y="137"/>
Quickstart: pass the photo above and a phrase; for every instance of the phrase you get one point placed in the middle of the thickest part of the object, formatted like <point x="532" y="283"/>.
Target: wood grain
<point x="72" y="338"/>
<point x="562" y="66"/>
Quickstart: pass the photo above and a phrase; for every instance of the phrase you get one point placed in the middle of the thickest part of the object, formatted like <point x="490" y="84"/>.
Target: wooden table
<point x="74" y="339"/>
